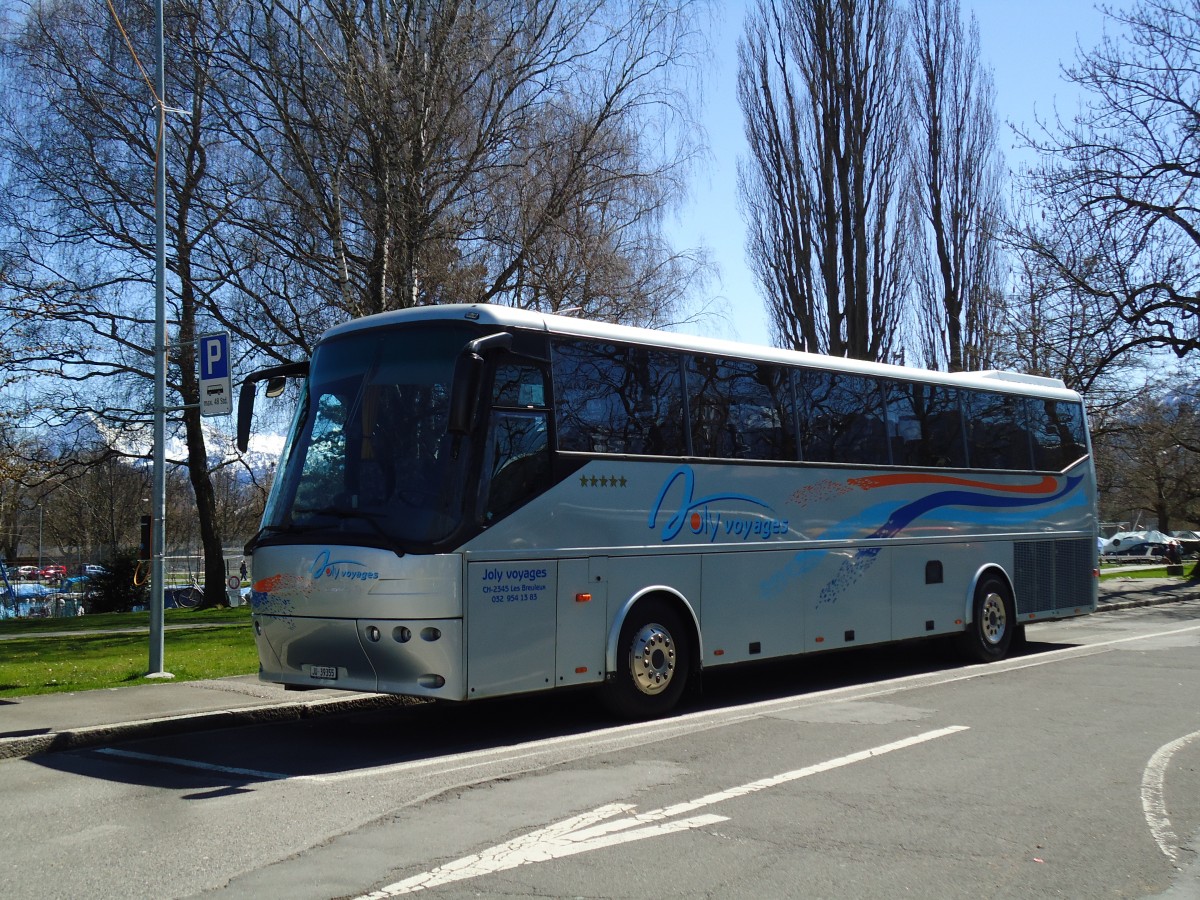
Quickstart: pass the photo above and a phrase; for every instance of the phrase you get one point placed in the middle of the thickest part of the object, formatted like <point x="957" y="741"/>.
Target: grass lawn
<point x="41" y="662"/>
<point x="1191" y="571"/>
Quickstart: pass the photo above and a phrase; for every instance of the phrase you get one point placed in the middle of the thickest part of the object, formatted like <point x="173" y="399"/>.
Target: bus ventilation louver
<point x="1052" y="575"/>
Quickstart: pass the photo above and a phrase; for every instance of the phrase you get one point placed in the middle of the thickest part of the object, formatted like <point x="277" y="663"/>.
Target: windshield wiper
<point x="349" y="512"/>
<point x="269" y="529"/>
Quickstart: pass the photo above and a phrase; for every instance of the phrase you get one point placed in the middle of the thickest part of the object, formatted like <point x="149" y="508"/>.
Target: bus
<point x="476" y="500"/>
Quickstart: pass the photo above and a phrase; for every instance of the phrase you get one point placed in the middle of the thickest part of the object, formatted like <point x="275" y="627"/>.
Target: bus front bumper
<point x="417" y="657"/>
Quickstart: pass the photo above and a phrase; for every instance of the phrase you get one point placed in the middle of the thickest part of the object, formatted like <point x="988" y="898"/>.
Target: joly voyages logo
<point x="710" y="515"/>
<point x="338" y="569"/>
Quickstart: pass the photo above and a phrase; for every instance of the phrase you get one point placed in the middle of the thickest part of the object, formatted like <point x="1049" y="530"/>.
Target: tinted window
<point x="842" y="419"/>
<point x="925" y="425"/>
<point x="519" y="385"/>
<point x="739" y="410"/>
<point x="613" y="398"/>
<point x="516" y="457"/>
<point x="997" y="431"/>
<point x="1058" y="433"/>
<point x="517" y="460"/>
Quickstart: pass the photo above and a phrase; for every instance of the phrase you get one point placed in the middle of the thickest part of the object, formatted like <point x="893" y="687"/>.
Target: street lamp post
<point x="158" y="505"/>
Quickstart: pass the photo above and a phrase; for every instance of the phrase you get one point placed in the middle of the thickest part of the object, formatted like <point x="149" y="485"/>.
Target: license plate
<point x="329" y="673"/>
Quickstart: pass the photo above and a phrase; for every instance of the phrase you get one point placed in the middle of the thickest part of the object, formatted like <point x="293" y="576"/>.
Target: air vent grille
<point x="1053" y="574"/>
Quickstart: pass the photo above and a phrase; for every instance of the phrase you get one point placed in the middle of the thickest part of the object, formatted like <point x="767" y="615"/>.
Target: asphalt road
<point x="1072" y="770"/>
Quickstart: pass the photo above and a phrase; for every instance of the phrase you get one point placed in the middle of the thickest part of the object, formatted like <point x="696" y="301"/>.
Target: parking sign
<point x="216" y="381"/>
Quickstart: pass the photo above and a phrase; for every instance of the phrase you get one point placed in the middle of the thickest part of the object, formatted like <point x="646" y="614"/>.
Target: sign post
<point x="216" y="379"/>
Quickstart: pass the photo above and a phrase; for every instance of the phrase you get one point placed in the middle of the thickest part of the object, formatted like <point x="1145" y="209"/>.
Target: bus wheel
<point x="653" y="661"/>
<point x="993" y="621"/>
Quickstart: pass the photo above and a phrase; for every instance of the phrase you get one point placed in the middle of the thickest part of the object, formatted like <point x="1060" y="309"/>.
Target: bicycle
<point x="187" y="597"/>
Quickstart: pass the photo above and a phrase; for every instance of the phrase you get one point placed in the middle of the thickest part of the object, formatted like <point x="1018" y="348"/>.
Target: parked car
<point x="27" y="572"/>
<point x="53" y="573"/>
<point x="94" y="570"/>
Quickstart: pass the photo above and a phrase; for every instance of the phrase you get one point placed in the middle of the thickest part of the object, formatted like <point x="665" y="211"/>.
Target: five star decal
<point x="604" y="481"/>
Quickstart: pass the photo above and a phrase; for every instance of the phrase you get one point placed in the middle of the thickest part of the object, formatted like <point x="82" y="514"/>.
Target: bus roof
<point x="511" y="317"/>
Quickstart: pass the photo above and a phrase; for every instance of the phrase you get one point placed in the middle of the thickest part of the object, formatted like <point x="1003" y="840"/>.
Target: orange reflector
<point x="583" y="598"/>
<point x="1033" y="615"/>
<point x="579" y="670"/>
<point x="958" y="621"/>
<point x="718" y="653"/>
<point x="820" y="640"/>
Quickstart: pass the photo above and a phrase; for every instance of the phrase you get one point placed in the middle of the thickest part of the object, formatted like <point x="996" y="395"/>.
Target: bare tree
<point x="18" y="504"/>
<point x="90" y="511"/>
<point x="821" y="89"/>
<point x="1049" y="324"/>
<point x="959" y="173"/>
<point x="436" y="150"/>
<point x="1147" y="458"/>
<point x="1124" y="176"/>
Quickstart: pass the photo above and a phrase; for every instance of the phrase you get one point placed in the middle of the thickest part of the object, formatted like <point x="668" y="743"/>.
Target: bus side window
<point x="740" y="410"/>
<point x="615" y="398"/>
<point x="517" y="460"/>
<point x="925" y="425"/>
<point x="997" y="431"/>
<point x="1057" y="429"/>
<point x="844" y="419"/>
<point x="517" y="455"/>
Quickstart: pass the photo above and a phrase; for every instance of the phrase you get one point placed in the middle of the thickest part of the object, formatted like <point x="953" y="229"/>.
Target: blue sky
<point x="1024" y="42"/>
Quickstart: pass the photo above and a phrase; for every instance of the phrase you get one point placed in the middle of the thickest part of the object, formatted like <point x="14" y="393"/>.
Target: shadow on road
<point x="216" y="763"/>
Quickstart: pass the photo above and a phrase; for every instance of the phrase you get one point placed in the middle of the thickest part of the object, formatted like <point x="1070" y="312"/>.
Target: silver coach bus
<point x="476" y="501"/>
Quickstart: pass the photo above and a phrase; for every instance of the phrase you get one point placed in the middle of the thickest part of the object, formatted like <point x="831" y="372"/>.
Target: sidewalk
<point x="70" y="721"/>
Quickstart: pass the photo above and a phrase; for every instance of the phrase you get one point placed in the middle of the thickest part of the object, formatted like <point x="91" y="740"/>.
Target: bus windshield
<point x="370" y="462"/>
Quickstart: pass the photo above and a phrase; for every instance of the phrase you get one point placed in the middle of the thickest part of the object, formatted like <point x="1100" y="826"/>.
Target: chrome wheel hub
<point x="652" y="659"/>
<point x="994" y="620"/>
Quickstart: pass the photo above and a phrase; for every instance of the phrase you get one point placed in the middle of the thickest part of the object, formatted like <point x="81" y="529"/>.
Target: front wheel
<point x="653" y="662"/>
<point x="993" y="621"/>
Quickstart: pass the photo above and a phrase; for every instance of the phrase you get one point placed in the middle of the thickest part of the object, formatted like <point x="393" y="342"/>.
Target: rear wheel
<point x="653" y="662"/>
<point x="993" y="621"/>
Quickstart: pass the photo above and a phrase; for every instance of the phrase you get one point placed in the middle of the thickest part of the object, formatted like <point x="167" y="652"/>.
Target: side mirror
<point x="468" y="378"/>
<point x="276" y="378"/>
<point x="464" y="392"/>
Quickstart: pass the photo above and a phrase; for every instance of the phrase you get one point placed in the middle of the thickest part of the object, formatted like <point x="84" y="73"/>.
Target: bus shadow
<point x="815" y="673"/>
<point x="222" y="762"/>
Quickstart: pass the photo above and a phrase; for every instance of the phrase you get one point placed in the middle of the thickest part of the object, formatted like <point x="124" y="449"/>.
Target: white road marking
<point x="591" y="830"/>
<point x="1154" y="805"/>
<point x="192" y="764"/>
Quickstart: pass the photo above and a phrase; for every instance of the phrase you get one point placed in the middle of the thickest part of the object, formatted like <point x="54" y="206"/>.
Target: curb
<point x="26" y="745"/>
<point x="1153" y="599"/>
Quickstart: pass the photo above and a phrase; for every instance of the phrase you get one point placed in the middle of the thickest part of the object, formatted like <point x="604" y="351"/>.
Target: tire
<point x="188" y="598"/>
<point x="654" y="660"/>
<point x="993" y="626"/>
